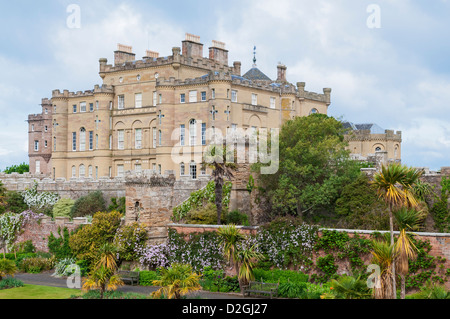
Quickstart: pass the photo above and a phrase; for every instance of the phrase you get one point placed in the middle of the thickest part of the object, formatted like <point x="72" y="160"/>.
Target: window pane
<point x="138" y="100"/>
<point x="121" y="137"/>
<point x="192" y="96"/>
<point x="138" y="138"/>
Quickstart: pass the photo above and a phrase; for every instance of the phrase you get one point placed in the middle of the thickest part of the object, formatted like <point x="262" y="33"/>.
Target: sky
<point x="386" y="61"/>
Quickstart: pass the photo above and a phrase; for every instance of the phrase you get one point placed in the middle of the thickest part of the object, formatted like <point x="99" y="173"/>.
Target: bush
<point x="88" y="205"/>
<point x="10" y="282"/>
<point x="87" y="239"/>
<point x="291" y="289"/>
<point x="237" y="218"/>
<point x="61" y="269"/>
<point x="127" y="239"/>
<point x="63" y="207"/>
<point x="118" y="205"/>
<point x="146" y="277"/>
<point x="60" y="247"/>
<point x="204" y="215"/>
<point x="35" y="265"/>
<point x="7" y="268"/>
<point x="282" y="276"/>
<point x="14" y="202"/>
<point x="95" y="294"/>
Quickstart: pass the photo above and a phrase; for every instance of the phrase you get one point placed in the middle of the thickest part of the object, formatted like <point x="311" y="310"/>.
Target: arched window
<point x="192" y="132"/>
<point x="74" y="171"/>
<point x="313" y="111"/>
<point x="90" y="171"/>
<point x="378" y="149"/>
<point x="160" y="138"/>
<point x="82" y="171"/>
<point x="82" y="139"/>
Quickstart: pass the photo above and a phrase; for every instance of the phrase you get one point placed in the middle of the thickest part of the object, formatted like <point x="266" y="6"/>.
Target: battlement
<point x="363" y="135"/>
<point x="88" y="93"/>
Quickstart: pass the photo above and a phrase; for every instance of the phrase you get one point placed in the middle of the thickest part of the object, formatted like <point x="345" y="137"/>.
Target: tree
<point x="7" y="268"/>
<point x="176" y="281"/>
<point x="383" y="255"/>
<point x="88" y="205"/>
<point x="216" y="159"/>
<point x="21" y="168"/>
<point x="246" y="258"/>
<point x="394" y="183"/>
<point x="411" y="220"/>
<point x="314" y="165"/>
<point x="62" y="207"/>
<point x="102" y="278"/>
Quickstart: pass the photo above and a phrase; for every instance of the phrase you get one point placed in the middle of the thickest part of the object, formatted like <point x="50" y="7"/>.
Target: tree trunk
<point x="403" y="292"/>
<point x="391" y="226"/>
<point x="299" y="211"/>
<point x="219" y="192"/>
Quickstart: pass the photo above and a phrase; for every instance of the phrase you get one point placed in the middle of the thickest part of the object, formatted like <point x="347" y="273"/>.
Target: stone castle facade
<point x="144" y="108"/>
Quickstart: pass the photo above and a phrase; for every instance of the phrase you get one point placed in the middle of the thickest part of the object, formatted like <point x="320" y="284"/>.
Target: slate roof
<point x="372" y="127"/>
<point x="254" y="74"/>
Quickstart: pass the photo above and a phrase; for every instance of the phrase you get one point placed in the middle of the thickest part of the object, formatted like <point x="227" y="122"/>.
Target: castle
<point x="144" y="108"/>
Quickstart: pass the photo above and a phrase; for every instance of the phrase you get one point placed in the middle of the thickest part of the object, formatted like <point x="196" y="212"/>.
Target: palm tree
<point x="394" y="184"/>
<point x="107" y="257"/>
<point x="407" y="219"/>
<point x="245" y="260"/>
<point x="177" y="281"/>
<point x="102" y="278"/>
<point x="383" y="256"/>
<point x="216" y="160"/>
<point x="230" y="237"/>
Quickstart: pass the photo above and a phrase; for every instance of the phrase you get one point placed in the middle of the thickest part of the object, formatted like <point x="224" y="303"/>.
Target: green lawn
<point x="38" y="292"/>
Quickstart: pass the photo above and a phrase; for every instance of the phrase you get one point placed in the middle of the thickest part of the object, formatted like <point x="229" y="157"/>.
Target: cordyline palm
<point x="216" y="160"/>
<point x="384" y="256"/>
<point x="395" y="185"/>
<point x="411" y="220"/>
<point x="230" y="237"/>
<point x="177" y="281"/>
<point x="246" y="260"/>
<point x="107" y="257"/>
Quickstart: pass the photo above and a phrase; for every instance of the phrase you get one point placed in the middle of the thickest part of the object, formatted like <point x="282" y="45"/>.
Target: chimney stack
<point x="123" y="54"/>
<point x="191" y="46"/>
<point x="237" y="68"/>
<point x="151" y="55"/>
<point x="218" y="53"/>
<point x="281" y="77"/>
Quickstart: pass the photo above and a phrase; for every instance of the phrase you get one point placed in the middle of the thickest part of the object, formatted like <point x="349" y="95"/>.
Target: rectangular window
<point x="45" y="128"/>
<point x="138" y="139"/>
<point x="138" y="100"/>
<point x="121" y="102"/>
<point x="96" y="105"/>
<point x="193" y="170"/>
<point x="74" y="141"/>
<point x="159" y="169"/>
<point x="203" y="133"/>
<point x="110" y="142"/>
<point x="154" y="137"/>
<point x="182" y="98"/>
<point x="91" y="140"/>
<point x="254" y="99"/>
<point x="82" y="140"/>
<point x="90" y="171"/>
<point x="160" y="138"/>
<point x="120" y="139"/>
<point x="74" y="108"/>
<point x="192" y="96"/>
<point x="138" y="168"/>
<point x="182" y="134"/>
<point x="96" y="141"/>
<point x="272" y="102"/>
<point x="38" y="167"/>
<point x="203" y="96"/>
<point x="96" y="172"/>
<point x="120" y="170"/>
<point x="234" y="96"/>
<point x="74" y="172"/>
<point x="45" y="143"/>
<point x="154" y="167"/>
<point x="154" y="98"/>
<point x="213" y="94"/>
<point x="83" y="107"/>
<point x="182" y="169"/>
<point x="160" y="99"/>
<point x="91" y="107"/>
<point x="32" y="127"/>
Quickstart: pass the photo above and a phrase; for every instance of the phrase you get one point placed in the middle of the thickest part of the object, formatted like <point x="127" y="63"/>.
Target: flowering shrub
<point x="129" y="239"/>
<point x="200" y="251"/>
<point x="39" y="201"/>
<point x="285" y="242"/>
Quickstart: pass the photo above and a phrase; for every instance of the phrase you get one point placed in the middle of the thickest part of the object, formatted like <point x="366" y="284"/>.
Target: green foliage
<point x="291" y="289"/>
<point x="278" y="275"/>
<point x="237" y="218"/>
<point x="314" y="291"/>
<point x="128" y="238"/>
<point x="314" y="165"/>
<point x="441" y="215"/>
<point x="200" y="198"/>
<point x="36" y="265"/>
<point x="147" y="277"/>
<point x="10" y="282"/>
<point x="21" y="168"/>
<point x="95" y="294"/>
<point x="216" y="281"/>
<point x="359" y="206"/>
<point x="88" y="205"/>
<point x="432" y="291"/>
<point x="349" y="287"/>
<point x="87" y="240"/>
<point x="63" y="207"/>
<point x="7" y="268"/>
<point x="118" y="205"/>
<point x="204" y="215"/>
<point x="59" y="246"/>
<point x="328" y="268"/>
<point x="14" y="202"/>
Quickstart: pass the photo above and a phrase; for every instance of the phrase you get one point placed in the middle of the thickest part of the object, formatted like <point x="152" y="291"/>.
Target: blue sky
<point x="397" y="76"/>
